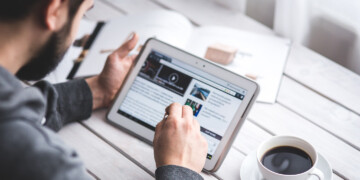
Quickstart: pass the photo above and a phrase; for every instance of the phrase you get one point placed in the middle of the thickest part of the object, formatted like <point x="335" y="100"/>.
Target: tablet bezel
<point x="147" y="134"/>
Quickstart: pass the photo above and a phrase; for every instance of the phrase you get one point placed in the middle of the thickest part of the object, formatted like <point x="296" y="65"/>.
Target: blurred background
<point x="329" y="27"/>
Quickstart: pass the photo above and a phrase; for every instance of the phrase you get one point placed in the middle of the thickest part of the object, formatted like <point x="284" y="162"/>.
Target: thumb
<point x="127" y="46"/>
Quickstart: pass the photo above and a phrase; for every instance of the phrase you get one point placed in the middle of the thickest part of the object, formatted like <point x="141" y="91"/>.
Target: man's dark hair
<point x="15" y="10"/>
<point x="50" y="55"/>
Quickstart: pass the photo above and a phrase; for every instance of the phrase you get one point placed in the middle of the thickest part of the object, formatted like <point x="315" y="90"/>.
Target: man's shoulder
<point x="19" y="102"/>
<point x="28" y="149"/>
<point x="26" y="139"/>
<point x="19" y="132"/>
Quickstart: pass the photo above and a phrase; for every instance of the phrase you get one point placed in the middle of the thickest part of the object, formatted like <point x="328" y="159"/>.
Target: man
<point x="34" y="35"/>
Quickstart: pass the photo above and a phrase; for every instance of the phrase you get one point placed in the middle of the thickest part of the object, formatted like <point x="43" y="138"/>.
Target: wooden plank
<point x="205" y="12"/>
<point x="325" y="77"/>
<point x="133" y="147"/>
<point x="135" y="8"/>
<point x="336" y="177"/>
<point x="182" y="6"/>
<point x="250" y="137"/>
<point x="101" y="159"/>
<point x="280" y="121"/>
<point x="128" y="141"/>
<point x="230" y="169"/>
<point x="325" y="113"/>
<point x="92" y="175"/>
<point x="143" y="153"/>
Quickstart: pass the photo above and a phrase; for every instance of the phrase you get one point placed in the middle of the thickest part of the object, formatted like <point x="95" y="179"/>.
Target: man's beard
<point x="48" y="58"/>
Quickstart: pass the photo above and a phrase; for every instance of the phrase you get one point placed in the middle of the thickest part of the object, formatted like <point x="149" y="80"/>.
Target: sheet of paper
<point x="167" y="26"/>
<point x="261" y="56"/>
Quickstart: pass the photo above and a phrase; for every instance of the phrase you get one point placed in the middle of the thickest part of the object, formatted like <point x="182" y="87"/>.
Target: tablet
<point x="164" y="74"/>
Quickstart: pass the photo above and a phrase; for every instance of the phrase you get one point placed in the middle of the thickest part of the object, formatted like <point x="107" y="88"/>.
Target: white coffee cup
<point x="278" y="141"/>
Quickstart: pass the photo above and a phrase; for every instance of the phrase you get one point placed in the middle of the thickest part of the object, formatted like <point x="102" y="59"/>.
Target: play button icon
<point x="174" y="77"/>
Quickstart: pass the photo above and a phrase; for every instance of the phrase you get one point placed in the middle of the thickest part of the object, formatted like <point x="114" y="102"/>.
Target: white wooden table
<point x="318" y="101"/>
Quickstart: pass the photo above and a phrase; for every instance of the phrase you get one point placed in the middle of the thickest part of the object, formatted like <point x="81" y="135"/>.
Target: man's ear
<point x="56" y="13"/>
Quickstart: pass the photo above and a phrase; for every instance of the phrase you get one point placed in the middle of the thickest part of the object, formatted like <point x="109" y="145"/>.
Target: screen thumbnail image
<point x="200" y="92"/>
<point x="196" y="107"/>
<point x="151" y="66"/>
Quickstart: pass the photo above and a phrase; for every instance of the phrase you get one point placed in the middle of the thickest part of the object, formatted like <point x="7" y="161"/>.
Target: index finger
<point x="128" y="46"/>
<point x="174" y="110"/>
<point x="187" y="112"/>
<point x="158" y="129"/>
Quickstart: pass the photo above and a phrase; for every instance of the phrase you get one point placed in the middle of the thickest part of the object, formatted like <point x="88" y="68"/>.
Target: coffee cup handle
<point x="319" y="174"/>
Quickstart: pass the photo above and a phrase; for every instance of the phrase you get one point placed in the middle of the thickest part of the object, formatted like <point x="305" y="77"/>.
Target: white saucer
<point x="249" y="168"/>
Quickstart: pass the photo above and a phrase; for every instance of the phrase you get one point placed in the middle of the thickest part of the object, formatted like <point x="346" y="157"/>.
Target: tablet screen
<point x="163" y="80"/>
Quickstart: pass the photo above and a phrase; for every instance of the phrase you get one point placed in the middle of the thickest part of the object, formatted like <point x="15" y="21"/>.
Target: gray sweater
<point x="29" y="147"/>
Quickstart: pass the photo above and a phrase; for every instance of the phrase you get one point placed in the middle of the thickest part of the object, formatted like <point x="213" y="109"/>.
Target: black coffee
<point x="287" y="160"/>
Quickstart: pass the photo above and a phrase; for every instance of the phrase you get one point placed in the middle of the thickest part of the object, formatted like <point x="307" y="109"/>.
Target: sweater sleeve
<point x="75" y="100"/>
<point x="66" y="102"/>
<point x="176" y="173"/>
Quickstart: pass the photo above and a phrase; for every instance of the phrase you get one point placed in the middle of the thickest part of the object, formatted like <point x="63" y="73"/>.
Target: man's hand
<point x="178" y="141"/>
<point x="105" y="85"/>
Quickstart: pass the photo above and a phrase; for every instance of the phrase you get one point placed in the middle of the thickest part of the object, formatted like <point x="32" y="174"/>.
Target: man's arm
<point x="179" y="148"/>
<point x="105" y="85"/>
<point x="174" y="172"/>
<point x="75" y="100"/>
<point x="179" y="152"/>
<point x="66" y="102"/>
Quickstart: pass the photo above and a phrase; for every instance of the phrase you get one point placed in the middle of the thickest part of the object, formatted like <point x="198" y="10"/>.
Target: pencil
<point x="103" y="51"/>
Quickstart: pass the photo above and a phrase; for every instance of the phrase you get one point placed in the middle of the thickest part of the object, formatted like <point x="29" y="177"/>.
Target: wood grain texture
<point x="349" y="80"/>
<point x="336" y="85"/>
<point x="280" y="121"/>
<point x="248" y="139"/>
<point x="325" y="113"/>
<point x="135" y="148"/>
<point x="99" y="157"/>
<point x="230" y="169"/>
<point x="336" y="177"/>
<point x="93" y="176"/>
<point x="325" y="77"/>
